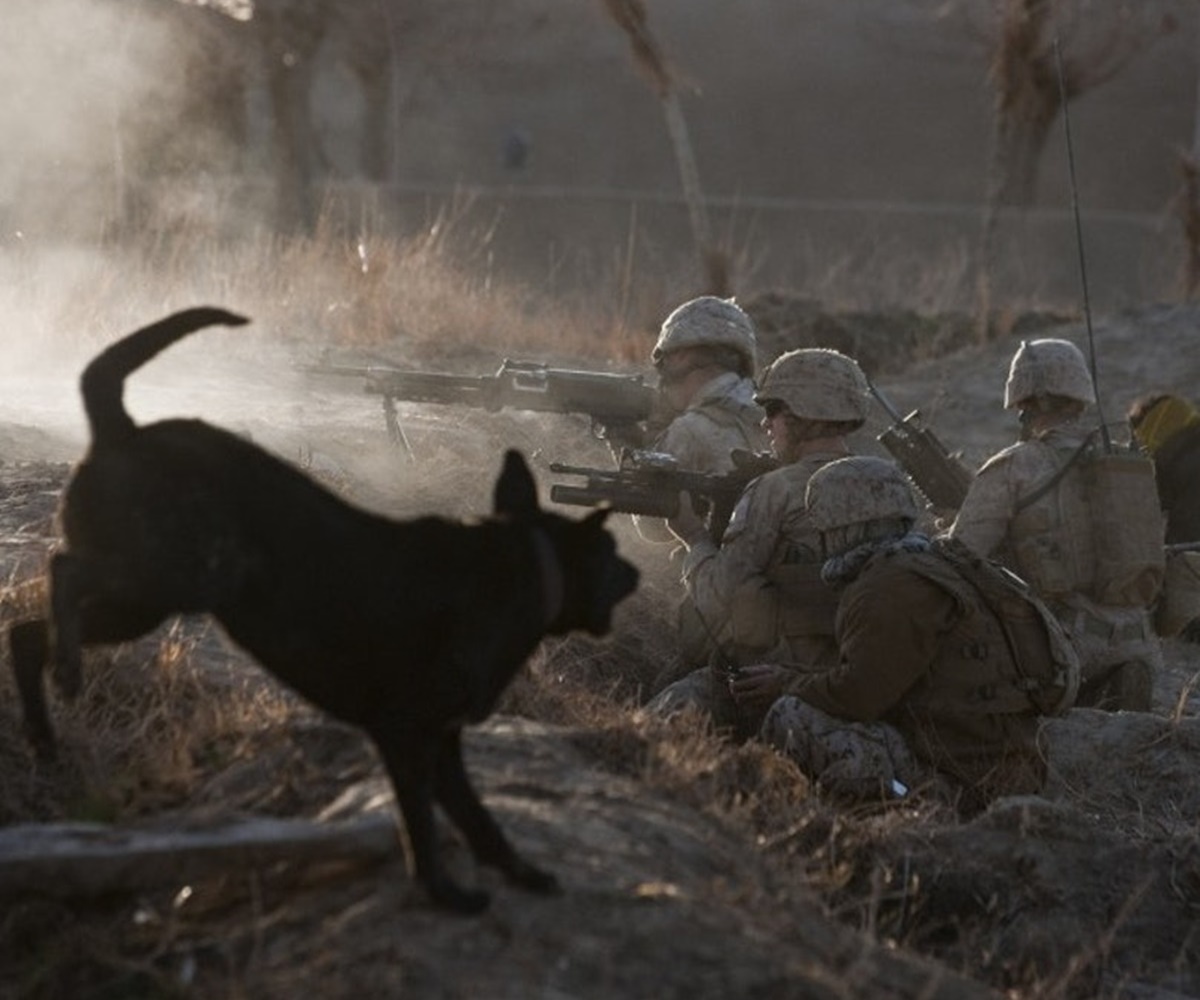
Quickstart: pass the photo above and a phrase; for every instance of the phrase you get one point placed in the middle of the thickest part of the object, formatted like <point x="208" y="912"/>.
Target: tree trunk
<point x="1189" y="200"/>
<point x="289" y="38"/>
<point x="1020" y="144"/>
<point x="630" y="15"/>
<point x="1026" y="103"/>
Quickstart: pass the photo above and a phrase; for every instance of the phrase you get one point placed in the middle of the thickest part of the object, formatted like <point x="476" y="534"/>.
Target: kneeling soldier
<point x="946" y="661"/>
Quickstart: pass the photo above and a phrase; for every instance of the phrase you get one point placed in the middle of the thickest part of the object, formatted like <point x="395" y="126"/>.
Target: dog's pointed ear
<point x="516" y="492"/>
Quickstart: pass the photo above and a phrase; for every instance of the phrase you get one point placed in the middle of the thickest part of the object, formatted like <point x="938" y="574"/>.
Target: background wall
<point x="829" y="135"/>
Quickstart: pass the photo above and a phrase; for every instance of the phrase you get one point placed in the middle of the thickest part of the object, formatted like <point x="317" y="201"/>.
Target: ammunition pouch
<point x="1093" y="527"/>
<point x="794" y="604"/>
<point x="1179" y="603"/>
<point x="1127" y="528"/>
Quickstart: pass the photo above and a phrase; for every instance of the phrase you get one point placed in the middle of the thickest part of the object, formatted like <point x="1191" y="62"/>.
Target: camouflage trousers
<point x="862" y="760"/>
<point x="705" y="691"/>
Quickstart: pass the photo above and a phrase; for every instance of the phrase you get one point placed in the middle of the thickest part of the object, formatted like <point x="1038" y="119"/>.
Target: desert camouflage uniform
<point x="1118" y="650"/>
<point x="922" y="694"/>
<point x="722" y="418"/>
<point x="759" y="594"/>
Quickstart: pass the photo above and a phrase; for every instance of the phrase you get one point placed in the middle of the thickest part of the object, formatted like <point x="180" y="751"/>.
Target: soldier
<point x="1168" y="429"/>
<point x="705" y="357"/>
<point x="1038" y="507"/>
<point x="759" y="594"/>
<point x="939" y="681"/>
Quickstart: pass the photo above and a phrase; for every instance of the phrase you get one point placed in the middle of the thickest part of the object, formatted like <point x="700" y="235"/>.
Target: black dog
<point x="408" y="630"/>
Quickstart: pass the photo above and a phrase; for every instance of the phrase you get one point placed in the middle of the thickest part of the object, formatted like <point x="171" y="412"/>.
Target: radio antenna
<point x="1083" y="279"/>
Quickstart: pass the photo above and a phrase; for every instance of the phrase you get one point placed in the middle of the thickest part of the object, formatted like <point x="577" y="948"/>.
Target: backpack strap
<point x="1046" y="485"/>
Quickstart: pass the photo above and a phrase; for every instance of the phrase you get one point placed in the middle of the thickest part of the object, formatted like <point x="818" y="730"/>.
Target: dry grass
<point x="176" y="721"/>
<point x="154" y="721"/>
<point x="427" y="295"/>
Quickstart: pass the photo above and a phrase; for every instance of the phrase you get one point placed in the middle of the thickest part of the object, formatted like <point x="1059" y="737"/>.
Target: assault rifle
<point x="615" y="403"/>
<point x="942" y="479"/>
<point x="650" y="483"/>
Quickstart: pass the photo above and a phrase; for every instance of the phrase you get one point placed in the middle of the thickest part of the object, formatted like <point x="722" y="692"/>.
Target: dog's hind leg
<point x="457" y="796"/>
<point x="82" y="616"/>
<point x="29" y="645"/>
<point x="411" y="769"/>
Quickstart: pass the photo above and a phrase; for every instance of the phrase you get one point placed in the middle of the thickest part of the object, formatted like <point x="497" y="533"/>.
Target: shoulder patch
<point x="737" y="520"/>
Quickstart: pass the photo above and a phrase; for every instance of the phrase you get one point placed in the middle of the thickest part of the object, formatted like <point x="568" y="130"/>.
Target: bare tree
<point x="1029" y="84"/>
<point x="630" y="16"/>
<point x="1096" y="46"/>
<point x="1187" y="202"/>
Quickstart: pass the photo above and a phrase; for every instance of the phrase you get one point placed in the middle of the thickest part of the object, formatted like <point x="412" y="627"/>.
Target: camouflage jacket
<point x="920" y="651"/>
<point x="1048" y="543"/>
<point x="760" y="592"/>
<point x="721" y="419"/>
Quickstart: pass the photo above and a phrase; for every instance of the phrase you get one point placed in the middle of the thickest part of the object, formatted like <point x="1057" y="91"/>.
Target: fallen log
<point x="91" y="859"/>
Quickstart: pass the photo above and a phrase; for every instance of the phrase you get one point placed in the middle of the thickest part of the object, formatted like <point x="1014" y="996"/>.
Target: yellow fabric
<point x="1163" y="421"/>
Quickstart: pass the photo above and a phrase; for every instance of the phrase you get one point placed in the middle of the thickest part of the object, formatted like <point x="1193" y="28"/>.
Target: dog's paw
<point x="465" y="902"/>
<point x="68" y="679"/>
<point x="43" y="744"/>
<point x="534" y="879"/>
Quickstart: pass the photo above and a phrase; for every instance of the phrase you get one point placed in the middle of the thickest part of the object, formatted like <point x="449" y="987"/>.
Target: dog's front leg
<point x="411" y="770"/>
<point x="65" y="620"/>
<point x="457" y="796"/>
<point x="29" y="646"/>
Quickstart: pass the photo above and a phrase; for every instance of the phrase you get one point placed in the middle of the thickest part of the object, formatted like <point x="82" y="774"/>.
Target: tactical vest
<point x="790" y="610"/>
<point x="1006" y="653"/>
<point x="1092" y="527"/>
<point x="794" y="607"/>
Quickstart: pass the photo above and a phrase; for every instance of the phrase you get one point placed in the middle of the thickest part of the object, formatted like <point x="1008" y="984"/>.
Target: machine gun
<point x="615" y="403"/>
<point x="650" y="483"/>
<point x="942" y="479"/>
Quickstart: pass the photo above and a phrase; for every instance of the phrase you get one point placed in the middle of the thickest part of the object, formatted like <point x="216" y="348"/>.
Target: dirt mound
<point x="690" y="868"/>
<point x="884" y="342"/>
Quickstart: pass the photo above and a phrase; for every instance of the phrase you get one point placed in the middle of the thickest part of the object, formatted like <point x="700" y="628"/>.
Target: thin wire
<point x="1087" y="303"/>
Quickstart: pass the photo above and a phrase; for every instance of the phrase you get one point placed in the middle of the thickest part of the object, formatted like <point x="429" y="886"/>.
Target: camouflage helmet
<point x="708" y="322"/>
<point x="1048" y="367"/>
<point x="856" y="490"/>
<point x="816" y="383"/>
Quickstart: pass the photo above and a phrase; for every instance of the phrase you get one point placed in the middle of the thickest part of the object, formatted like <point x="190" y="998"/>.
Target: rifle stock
<point x="940" y="477"/>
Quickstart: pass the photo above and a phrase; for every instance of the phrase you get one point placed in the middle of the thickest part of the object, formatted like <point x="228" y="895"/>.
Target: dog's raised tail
<point x="103" y="380"/>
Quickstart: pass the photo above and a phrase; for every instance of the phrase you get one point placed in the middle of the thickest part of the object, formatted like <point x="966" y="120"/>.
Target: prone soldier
<point x="1167" y="428"/>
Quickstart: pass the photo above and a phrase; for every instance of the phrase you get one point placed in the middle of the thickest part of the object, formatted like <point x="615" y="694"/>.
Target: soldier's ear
<point x="516" y="493"/>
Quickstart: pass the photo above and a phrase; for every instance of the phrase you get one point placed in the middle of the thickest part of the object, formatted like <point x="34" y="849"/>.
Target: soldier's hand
<point x="759" y="683"/>
<point x="687" y="525"/>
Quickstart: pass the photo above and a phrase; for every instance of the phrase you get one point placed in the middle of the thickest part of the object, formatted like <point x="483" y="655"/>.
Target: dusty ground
<point x="675" y="883"/>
